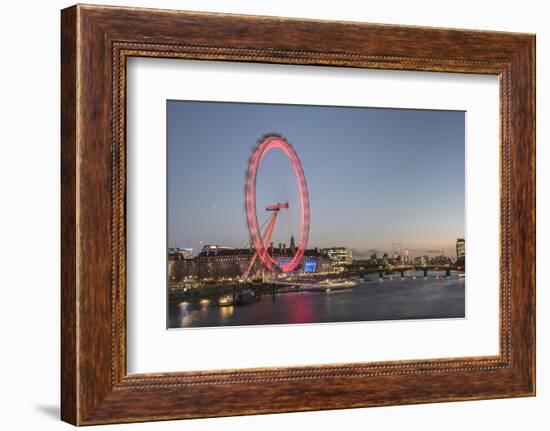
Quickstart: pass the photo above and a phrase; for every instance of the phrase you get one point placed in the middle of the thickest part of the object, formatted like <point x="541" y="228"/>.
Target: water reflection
<point x="226" y="312"/>
<point x="389" y="298"/>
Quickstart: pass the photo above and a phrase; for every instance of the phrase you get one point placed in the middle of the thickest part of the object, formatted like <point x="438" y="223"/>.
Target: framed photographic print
<point x="331" y="214"/>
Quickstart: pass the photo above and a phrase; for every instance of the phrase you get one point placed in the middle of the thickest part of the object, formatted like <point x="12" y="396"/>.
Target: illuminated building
<point x="180" y="253"/>
<point x="217" y="262"/>
<point x="421" y="260"/>
<point x="339" y="256"/>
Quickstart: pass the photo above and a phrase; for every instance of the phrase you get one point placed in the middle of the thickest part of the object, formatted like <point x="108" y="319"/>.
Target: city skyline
<point x="357" y="253"/>
<point x="375" y="176"/>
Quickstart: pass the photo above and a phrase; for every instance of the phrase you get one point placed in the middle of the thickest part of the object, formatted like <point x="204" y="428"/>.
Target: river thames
<point x="390" y="298"/>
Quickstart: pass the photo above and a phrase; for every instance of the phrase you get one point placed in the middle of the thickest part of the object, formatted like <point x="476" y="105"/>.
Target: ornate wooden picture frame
<point x="96" y="41"/>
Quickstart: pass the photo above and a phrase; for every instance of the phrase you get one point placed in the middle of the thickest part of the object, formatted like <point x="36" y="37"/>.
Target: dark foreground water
<point x="388" y="299"/>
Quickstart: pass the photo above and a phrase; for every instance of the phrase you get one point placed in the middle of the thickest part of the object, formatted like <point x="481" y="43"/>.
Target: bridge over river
<point x="359" y="270"/>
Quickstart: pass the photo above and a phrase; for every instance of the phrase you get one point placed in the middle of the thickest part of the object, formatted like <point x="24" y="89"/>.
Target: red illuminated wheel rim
<point x="266" y="143"/>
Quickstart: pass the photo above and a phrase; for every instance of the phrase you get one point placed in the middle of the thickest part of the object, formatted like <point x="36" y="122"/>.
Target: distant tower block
<point x="460" y="248"/>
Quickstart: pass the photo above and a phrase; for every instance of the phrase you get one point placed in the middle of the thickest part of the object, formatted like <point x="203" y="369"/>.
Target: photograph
<point x="282" y="214"/>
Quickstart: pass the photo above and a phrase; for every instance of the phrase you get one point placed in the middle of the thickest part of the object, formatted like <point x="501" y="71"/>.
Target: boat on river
<point x="247" y="296"/>
<point x="225" y="301"/>
<point x="331" y="285"/>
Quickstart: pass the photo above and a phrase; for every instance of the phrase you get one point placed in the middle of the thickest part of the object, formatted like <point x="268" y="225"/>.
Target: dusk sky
<point x="375" y="176"/>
